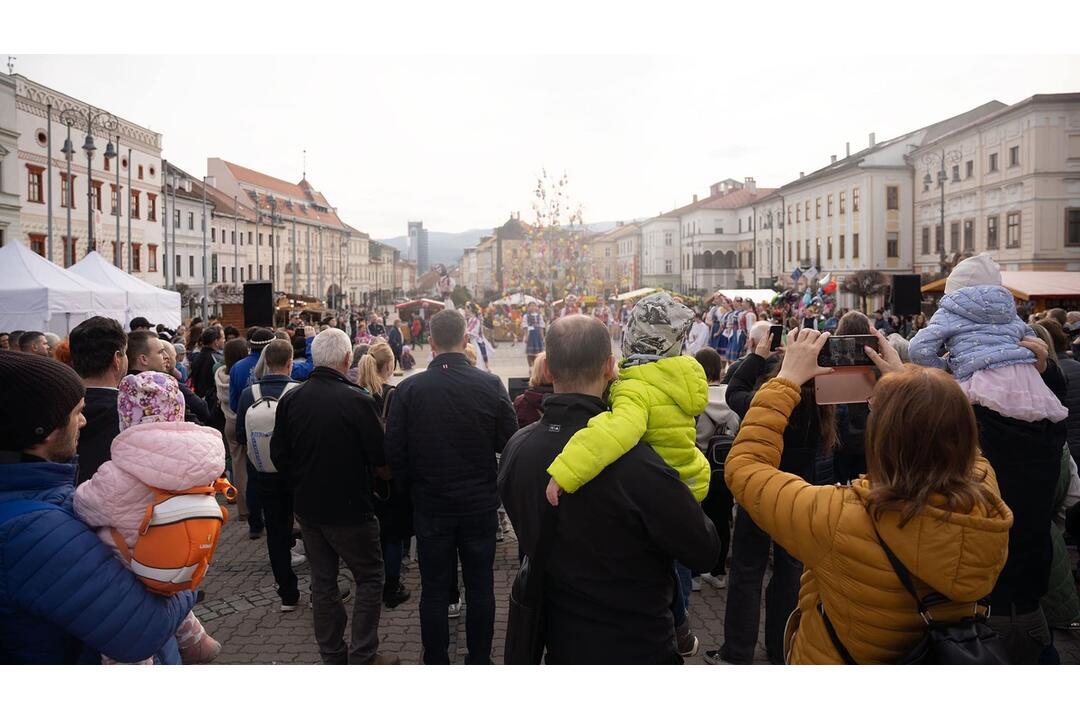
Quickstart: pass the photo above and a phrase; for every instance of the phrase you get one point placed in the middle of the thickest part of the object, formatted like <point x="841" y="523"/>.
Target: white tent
<point x="36" y="294"/>
<point x="636" y="294"/>
<point x="142" y="298"/>
<point x="757" y="295"/>
<point x="518" y="299"/>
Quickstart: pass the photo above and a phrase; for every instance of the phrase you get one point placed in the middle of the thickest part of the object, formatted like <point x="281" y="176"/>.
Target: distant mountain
<point x="447" y="248"/>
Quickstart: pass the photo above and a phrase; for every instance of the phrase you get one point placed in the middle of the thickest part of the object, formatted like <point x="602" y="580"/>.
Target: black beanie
<point x="261" y="338"/>
<point x="37" y="394"/>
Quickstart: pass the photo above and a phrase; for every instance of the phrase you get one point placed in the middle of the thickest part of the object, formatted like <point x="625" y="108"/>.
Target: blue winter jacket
<point x="241" y="376"/>
<point x="302" y="368"/>
<point x="980" y="329"/>
<point x="64" y="596"/>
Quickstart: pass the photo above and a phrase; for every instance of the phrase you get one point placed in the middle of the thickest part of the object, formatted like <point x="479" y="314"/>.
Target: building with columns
<point x="1011" y="186"/>
<point x="94" y="193"/>
<point x="769" y="239"/>
<point x="660" y="251"/>
<point x="10" y="205"/>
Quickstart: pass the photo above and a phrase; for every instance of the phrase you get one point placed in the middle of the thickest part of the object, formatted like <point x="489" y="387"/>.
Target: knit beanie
<point x="656" y="327"/>
<point x="37" y="394"/>
<point x="260" y="338"/>
<point x="976" y="270"/>
<point x="149" y="397"/>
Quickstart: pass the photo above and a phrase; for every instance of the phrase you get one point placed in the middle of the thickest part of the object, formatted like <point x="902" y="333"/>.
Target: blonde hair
<point x="372" y="366"/>
<point x="540" y="374"/>
<point x="470" y="355"/>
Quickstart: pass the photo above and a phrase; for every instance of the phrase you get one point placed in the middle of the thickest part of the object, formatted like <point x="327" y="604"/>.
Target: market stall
<point x="755" y="295"/>
<point x="1043" y="288"/>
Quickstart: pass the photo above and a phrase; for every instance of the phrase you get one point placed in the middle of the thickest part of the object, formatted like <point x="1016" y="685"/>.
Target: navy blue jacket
<point x="64" y="595"/>
<point x="445" y="427"/>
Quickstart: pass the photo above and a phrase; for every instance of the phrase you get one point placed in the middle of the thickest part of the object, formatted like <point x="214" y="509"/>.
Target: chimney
<point x="832" y="159"/>
<point x="872" y="143"/>
<point x="695" y="197"/>
<point x="847" y="150"/>
<point x="802" y="174"/>
<point x="750" y="184"/>
<point x="211" y="181"/>
<point x="618" y="223"/>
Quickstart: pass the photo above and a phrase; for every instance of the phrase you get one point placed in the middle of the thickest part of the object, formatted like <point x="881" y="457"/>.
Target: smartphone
<point x="847" y="351"/>
<point x="776" y="335"/>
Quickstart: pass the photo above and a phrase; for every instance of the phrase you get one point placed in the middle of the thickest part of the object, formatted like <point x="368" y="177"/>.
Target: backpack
<point x="259" y="426"/>
<point x="968" y="641"/>
<point x="177" y="537"/>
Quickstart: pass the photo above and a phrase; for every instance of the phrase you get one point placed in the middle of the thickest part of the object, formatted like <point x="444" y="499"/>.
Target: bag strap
<point x="256" y="392"/>
<point x="844" y="654"/>
<point x="121" y="544"/>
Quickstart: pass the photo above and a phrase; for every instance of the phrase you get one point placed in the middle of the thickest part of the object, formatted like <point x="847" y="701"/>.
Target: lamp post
<point x="116" y="245"/>
<point x="166" y="221"/>
<point x="258" y="237"/>
<point x="205" y="288"/>
<point x="953" y="156"/>
<point x="68" y="151"/>
<point x="48" y="180"/>
<point x="236" y="242"/>
<point x="130" y="195"/>
<point x="294" y="255"/>
<point x="92" y="121"/>
<point x="273" y="245"/>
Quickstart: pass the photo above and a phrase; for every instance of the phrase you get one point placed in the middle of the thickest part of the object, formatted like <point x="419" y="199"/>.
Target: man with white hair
<point x="328" y="445"/>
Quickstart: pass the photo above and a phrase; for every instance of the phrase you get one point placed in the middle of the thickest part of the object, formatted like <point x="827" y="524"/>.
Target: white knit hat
<point x="977" y="270"/>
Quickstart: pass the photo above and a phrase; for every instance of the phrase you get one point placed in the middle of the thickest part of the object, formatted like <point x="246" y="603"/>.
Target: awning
<point x="1030" y="284"/>
<point x="419" y="303"/>
<point x="635" y="294"/>
<point x="756" y="295"/>
<point x="518" y="299"/>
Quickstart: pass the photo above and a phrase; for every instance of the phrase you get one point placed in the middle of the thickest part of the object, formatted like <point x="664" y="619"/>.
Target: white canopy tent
<point x="142" y="298"/>
<point x="757" y="295"/>
<point x="518" y="299"/>
<point x="636" y="294"/>
<point x="36" y="294"/>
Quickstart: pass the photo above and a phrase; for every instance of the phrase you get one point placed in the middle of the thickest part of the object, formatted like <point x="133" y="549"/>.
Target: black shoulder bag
<point x="525" y="637"/>
<point x="969" y="641"/>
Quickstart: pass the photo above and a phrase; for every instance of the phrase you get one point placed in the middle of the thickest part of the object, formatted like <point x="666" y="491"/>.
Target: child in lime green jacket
<point x="657" y="397"/>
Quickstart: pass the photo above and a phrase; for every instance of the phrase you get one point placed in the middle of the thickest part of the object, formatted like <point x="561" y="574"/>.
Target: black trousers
<point x="749" y="558"/>
<point x="276" y="498"/>
<point x="717" y="507"/>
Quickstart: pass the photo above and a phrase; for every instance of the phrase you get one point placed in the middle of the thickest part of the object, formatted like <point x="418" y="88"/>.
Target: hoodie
<point x="656" y="402"/>
<point x="979" y="328"/>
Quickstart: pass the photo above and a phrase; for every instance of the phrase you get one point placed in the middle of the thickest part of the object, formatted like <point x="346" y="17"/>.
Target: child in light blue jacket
<point x="978" y="326"/>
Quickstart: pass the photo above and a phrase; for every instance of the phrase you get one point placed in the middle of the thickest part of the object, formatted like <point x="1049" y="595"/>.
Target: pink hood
<point x="169" y="456"/>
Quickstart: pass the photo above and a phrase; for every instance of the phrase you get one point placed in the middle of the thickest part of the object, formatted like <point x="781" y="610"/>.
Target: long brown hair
<point x="922" y="441"/>
<point x="828" y="438"/>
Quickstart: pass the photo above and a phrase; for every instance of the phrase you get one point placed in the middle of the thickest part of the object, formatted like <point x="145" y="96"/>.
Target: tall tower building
<point x="418" y="246"/>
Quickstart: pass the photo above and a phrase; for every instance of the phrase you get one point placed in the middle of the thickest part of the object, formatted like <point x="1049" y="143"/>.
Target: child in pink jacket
<point x="155" y="449"/>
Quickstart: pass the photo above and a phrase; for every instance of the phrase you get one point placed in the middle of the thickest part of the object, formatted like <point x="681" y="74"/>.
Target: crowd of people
<point x="698" y="457"/>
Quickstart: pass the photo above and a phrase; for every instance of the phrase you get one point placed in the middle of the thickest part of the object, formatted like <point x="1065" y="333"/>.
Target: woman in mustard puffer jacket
<point x="928" y="492"/>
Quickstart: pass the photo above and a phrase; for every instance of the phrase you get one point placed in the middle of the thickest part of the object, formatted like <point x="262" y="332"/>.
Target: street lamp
<point x="953" y="156"/>
<point x="92" y="121"/>
<point x="68" y="151"/>
<point x="205" y="290"/>
<point x="111" y="153"/>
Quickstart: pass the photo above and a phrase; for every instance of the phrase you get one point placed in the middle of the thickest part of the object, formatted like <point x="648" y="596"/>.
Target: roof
<point x="1028" y="284"/>
<point x="729" y="201"/>
<point x="619" y="231"/>
<point x="512" y="229"/>
<point x="1001" y="111"/>
<point x="292" y="200"/>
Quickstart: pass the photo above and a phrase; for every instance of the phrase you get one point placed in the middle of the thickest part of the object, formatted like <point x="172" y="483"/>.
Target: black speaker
<point x="258" y="304"/>
<point x="517" y="386"/>
<point x="906" y="295"/>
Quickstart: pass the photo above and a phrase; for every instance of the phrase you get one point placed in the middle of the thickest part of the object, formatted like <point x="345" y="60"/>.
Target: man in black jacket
<point x="609" y="581"/>
<point x="211" y="343"/>
<point x="445" y="427"/>
<point x="328" y="444"/>
<point x="99" y="356"/>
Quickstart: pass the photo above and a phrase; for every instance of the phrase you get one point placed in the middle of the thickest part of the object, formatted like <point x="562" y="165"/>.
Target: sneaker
<point x="396" y="596"/>
<point x="297" y="559"/>
<point x="254" y="534"/>
<point x="454" y="610"/>
<point x="298" y="547"/>
<point x="712" y="657"/>
<point x="290" y="606"/>
<point x="695" y="584"/>
<point x="204" y="651"/>
<point x="717" y="581"/>
<point x="686" y="642"/>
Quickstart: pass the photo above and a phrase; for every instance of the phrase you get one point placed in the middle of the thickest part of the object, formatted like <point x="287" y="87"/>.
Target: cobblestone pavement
<point x="241" y="608"/>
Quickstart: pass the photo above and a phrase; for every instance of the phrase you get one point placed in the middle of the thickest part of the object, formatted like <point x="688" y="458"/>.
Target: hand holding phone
<point x="848" y="351"/>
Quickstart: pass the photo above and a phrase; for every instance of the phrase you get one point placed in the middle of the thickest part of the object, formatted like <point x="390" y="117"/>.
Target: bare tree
<point x="863" y="284"/>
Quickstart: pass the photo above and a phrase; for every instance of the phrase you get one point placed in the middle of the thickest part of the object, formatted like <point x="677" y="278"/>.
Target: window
<point x="806" y="211"/>
<point x="176" y="218"/>
<point x="892" y="197"/>
<point x="234" y="273"/>
<point x="249" y="242"/>
<point x="213" y="234"/>
<point x="140" y="172"/>
<point x="136" y="257"/>
<point x="854" y="240"/>
<point x="106" y="161"/>
<point x="992" y="232"/>
<point x="71" y="250"/>
<point x="112" y="199"/>
<point x="718" y="229"/>
<point x="969" y="168"/>
<point x="1072" y="227"/>
<point x="854" y="200"/>
<point x="191" y="221"/>
<point x="789" y="216"/>
<point x="1012" y="230"/>
<point x="740" y="224"/>
<point x="667" y="240"/>
<point x="233" y="235"/>
<point x="67" y="190"/>
<point x="925" y="240"/>
<point x="828" y="206"/>
<point x="798" y="213"/>
<point x="828" y="248"/>
<point x="248" y="273"/>
<point x="817" y="209"/>
<point x="843" y="198"/>
<point x="96" y="190"/>
<point x="817" y="252"/>
<point x="179" y="267"/>
<point x="260" y="238"/>
<point x="841" y="247"/>
<point x="261" y="270"/>
<point x="151" y="207"/>
<point x="969" y="235"/>
<point x="939" y="239"/>
<point x="191" y="265"/>
<point x="37" y="244"/>
<point x="135" y="212"/>
<point x="1014" y="156"/>
<point x="34" y="184"/>
<point x="667" y="267"/>
<point x="954" y="237"/>
<point x="956" y="173"/>
<point x="151" y="261"/>
<point x="993" y="162"/>
<point x="789" y="249"/>
<point x="892" y="244"/>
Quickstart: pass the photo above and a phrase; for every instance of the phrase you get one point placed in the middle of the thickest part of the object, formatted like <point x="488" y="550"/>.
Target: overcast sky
<point x="459" y="141"/>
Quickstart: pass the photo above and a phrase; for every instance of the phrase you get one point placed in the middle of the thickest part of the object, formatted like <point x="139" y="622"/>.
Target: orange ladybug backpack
<point x="177" y="537"/>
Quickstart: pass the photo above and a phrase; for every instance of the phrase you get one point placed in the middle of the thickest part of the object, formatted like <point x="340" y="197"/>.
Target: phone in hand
<point x="847" y="351"/>
<point x="776" y="335"/>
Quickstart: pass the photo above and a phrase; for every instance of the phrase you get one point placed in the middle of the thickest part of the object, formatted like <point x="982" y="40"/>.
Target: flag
<point x="811" y="273"/>
<point x="796" y="274"/>
<point x="824" y="280"/>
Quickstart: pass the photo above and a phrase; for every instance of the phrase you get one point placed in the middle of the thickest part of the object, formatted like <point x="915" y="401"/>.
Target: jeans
<point x="358" y="546"/>
<point x="1026" y="636"/>
<point x="749" y="557"/>
<point x="439" y="542"/>
<point x="393" y="551"/>
<point x="276" y="500"/>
